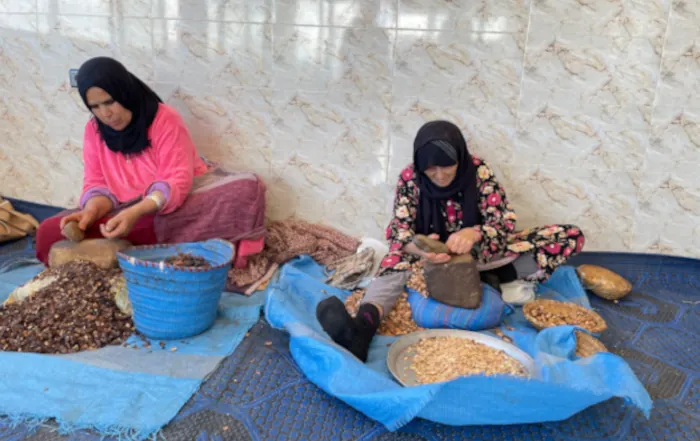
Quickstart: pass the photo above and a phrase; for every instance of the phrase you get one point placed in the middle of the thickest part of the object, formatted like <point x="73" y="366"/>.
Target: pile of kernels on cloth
<point x="440" y="359"/>
<point x="187" y="260"/>
<point x="566" y="316"/>
<point x="399" y="321"/>
<point x="75" y="313"/>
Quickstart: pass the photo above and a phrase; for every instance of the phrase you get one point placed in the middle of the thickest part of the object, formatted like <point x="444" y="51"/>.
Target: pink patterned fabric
<point x="225" y="205"/>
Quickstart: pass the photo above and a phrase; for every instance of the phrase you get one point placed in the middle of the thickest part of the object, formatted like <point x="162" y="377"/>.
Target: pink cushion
<point x="221" y="205"/>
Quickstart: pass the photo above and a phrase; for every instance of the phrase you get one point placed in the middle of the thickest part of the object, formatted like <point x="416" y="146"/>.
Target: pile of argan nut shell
<point x="76" y="312"/>
<point x="187" y="260"/>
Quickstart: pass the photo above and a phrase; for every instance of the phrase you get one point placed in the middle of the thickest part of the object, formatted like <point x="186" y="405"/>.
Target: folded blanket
<point x="225" y="205"/>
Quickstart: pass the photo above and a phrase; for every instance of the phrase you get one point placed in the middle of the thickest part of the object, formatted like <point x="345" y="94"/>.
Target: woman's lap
<point x="552" y="245"/>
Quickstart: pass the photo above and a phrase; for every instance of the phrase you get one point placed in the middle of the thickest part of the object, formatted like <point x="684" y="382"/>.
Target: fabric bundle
<point x="349" y="272"/>
<point x="285" y="240"/>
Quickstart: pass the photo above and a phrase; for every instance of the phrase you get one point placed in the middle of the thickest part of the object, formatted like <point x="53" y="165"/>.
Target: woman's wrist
<point x="152" y="203"/>
<point x="99" y="205"/>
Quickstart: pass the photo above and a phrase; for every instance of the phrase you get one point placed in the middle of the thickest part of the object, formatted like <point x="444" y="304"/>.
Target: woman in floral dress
<point x="454" y="197"/>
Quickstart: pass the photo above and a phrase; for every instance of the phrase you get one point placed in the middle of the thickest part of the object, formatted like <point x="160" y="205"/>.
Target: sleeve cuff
<point x="162" y="187"/>
<point x="97" y="191"/>
<point x="488" y="234"/>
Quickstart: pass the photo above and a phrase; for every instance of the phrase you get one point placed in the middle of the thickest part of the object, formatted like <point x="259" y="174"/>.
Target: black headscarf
<point x="441" y="143"/>
<point x="112" y="77"/>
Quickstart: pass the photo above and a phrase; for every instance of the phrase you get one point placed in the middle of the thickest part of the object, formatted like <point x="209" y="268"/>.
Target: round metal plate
<point x="399" y="358"/>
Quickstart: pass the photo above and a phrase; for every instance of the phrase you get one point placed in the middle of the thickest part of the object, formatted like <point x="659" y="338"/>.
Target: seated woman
<point x="454" y="197"/>
<point x="140" y="165"/>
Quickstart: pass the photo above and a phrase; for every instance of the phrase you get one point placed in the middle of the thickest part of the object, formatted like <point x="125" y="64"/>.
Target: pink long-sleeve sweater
<point x="169" y="165"/>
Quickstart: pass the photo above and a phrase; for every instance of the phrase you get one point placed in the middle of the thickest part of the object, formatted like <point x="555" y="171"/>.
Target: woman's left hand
<point x="463" y="241"/>
<point x="121" y="224"/>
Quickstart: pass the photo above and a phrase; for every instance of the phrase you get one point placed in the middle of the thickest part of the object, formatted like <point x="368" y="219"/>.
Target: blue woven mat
<point x="258" y="393"/>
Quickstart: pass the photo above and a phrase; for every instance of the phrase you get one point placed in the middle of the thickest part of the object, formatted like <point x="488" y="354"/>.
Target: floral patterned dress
<point x="551" y="245"/>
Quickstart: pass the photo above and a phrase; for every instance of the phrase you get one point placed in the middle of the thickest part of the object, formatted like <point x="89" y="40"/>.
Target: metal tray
<point x="399" y="367"/>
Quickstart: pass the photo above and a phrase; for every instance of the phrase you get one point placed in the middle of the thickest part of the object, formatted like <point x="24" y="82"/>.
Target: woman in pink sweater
<point x="139" y="160"/>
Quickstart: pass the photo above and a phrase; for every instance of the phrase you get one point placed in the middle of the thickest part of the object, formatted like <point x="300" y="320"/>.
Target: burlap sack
<point x="13" y="224"/>
<point x="603" y="282"/>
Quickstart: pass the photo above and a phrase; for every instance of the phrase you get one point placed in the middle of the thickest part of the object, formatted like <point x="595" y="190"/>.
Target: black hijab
<point x="441" y="143"/>
<point x="112" y="77"/>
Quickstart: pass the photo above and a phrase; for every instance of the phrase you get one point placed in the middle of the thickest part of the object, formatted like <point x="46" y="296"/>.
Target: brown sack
<point x="603" y="282"/>
<point x="13" y="224"/>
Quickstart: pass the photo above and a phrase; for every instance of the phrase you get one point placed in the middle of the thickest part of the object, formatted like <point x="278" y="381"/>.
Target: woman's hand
<point x="85" y="219"/>
<point x="121" y="224"/>
<point x="436" y="257"/>
<point x="96" y="208"/>
<point x="463" y="241"/>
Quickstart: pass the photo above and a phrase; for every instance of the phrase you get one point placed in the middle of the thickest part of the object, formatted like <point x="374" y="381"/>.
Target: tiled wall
<point x="589" y="111"/>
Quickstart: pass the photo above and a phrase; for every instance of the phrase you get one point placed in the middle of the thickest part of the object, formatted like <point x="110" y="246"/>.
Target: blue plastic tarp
<point x="563" y="386"/>
<point x="122" y="391"/>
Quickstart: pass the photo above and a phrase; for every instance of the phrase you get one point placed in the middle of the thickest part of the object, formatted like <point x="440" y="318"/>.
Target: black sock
<point x="366" y="324"/>
<point x="336" y="321"/>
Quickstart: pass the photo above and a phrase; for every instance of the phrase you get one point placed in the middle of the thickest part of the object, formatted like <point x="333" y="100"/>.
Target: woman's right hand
<point x="85" y="219"/>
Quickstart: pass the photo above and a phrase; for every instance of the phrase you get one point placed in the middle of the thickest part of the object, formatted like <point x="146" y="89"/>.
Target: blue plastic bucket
<point x="172" y="302"/>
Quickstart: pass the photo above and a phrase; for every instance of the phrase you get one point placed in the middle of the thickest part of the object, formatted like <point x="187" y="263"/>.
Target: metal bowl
<point x="399" y="358"/>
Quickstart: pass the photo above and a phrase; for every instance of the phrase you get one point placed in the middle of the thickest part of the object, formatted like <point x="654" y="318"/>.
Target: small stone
<point x="173" y="349"/>
<point x="225" y="428"/>
<point x="268" y="343"/>
<point x="73" y="232"/>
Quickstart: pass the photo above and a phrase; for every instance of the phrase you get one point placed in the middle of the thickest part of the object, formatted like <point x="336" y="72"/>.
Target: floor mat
<point x="259" y="394"/>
